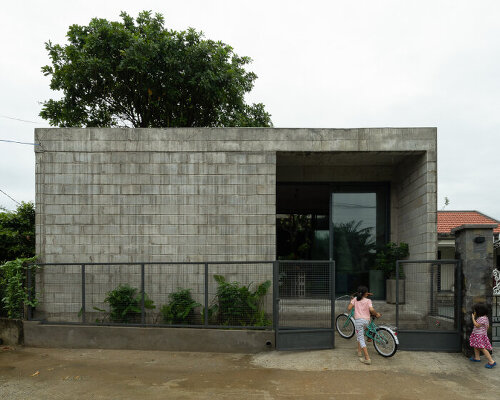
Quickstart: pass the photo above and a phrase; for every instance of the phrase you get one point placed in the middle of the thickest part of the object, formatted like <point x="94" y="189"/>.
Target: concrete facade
<point x="209" y="194"/>
<point x="128" y="195"/>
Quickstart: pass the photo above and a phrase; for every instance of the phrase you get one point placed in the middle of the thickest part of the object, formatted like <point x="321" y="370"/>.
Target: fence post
<point x="331" y="268"/>
<point x="205" y="322"/>
<point x="275" y="295"/>
<point x="433" y="311"/>
<point x="143" y="314"/>
<point x="397" y="294"/>
<point x="83" y="293"/>
<point x="28" y="283"/>
<point x="458" y="290"/>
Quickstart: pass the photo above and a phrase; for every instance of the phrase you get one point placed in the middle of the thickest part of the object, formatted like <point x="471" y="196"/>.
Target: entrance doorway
<point x="358" y="226"/>
<point x="343" y="222"/>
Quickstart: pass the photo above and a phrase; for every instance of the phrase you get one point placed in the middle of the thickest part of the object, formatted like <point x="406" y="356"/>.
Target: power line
<point x="14" y="200"/>
<point x="19" y="119"/>
<point x="14" y="141"/>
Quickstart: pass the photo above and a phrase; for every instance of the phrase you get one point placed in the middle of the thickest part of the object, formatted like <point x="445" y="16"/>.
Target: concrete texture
<point x="477" y="270"/>
<point x="11" y="331"/>
<point x="154" y="375"/>
<point x="203" y="194"/>
<point x="128" y="195"/>
<point x="136" y="338"/>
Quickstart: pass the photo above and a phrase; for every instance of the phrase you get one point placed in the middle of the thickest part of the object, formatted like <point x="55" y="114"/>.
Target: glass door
<point x="357" y="227"/>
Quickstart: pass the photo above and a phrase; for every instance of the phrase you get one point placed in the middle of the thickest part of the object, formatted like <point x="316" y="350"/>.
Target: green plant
<point x="17" y="232"/>
<point x="235" y="304"/>
<point x="387" y="257"/>
<point x="180" y="309"/>
<point x="125" y="303"/>
<point x="296" y="233"/>
<point x="13" y="291"/>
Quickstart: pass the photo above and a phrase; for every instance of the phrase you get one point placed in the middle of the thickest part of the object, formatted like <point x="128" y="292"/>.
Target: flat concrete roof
<point x="236" y="139"/>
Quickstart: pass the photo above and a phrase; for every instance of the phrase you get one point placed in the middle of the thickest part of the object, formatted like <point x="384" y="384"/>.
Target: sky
<point x="320" y="64"/>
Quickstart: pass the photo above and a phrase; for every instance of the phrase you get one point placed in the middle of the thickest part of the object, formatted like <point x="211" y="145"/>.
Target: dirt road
<point x="28" y="373"/>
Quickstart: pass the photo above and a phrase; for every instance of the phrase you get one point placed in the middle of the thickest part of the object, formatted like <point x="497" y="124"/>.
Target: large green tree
<point x="17" y="233"/>
<point x="140" y="74"/>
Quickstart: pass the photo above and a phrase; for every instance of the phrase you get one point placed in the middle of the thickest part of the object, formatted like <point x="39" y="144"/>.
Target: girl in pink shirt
<point x="479" y="336"/>
<point x="362" y="309"/>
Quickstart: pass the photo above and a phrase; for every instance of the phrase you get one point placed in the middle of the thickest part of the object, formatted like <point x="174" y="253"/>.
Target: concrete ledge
<point x="11" y="331"/>
<point x="37" y="334"/>
<point x="473" y="226"/>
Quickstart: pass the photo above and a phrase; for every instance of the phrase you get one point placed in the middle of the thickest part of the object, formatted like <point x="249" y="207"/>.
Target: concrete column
<point x="474" y="246"/>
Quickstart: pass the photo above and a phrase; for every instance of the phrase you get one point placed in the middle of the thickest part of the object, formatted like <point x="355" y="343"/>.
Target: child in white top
<point x="362" y="309"/>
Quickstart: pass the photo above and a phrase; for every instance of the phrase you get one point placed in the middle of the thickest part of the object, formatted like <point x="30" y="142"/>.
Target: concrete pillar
<point x="474" y="246"/>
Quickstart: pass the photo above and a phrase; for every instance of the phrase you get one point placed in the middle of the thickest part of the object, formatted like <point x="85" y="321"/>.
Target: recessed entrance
<point x="345" y="222"/>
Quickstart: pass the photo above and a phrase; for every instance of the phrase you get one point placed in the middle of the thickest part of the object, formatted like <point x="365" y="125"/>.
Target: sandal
<point x="473" y="359"/>
<point x="490" y="366"/>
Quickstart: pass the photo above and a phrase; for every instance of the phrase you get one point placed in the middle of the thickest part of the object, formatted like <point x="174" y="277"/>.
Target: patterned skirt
<point x="479" y="341"/>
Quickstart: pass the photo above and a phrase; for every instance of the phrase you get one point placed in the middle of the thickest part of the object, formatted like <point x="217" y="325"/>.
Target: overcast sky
<point x="329" y="64"/>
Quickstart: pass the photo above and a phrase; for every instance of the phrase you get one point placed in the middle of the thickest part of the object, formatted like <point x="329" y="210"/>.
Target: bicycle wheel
<point x="345" y="326"/>
<point x="385" y="343"/>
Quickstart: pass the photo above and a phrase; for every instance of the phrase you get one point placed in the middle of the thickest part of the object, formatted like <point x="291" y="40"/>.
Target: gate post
<point x="474" y="247"/>
<point x="275" y="297"/>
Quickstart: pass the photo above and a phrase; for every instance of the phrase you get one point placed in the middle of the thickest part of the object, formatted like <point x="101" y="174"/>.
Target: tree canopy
<point x="140" y="74"/>
<point x="17" y="233"/>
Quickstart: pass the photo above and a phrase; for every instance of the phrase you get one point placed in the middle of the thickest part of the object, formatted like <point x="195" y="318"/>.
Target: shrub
<point x="235" y="304"/>
<point x="180" y="309"/>
<point x="387" y="257"/>
<point x="14" y="294"/>
<point x="125" y="304"/>
<point x="17" y="232"/>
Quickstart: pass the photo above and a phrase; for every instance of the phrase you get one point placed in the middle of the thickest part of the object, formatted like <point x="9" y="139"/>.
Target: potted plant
<point x="386" y="262"/>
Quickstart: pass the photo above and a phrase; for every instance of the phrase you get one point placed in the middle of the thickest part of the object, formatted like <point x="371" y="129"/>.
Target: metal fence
<point x="428" y="303"/>
<point x="495" y="320"/>
<point x="208" y="295"/>
<point x="305" y="294"/>
<point x="428" y="297"/>
<point x="304" y="304"/>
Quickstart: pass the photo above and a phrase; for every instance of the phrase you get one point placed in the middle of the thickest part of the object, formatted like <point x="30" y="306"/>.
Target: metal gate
<point x="495" y="321"/>
<point x="304" y="304"/>
<point x="428" y="304"/>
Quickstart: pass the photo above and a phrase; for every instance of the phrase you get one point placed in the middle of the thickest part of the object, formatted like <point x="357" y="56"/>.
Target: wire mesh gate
<point x="304" y="304"/>
<point x="427" y="296"/>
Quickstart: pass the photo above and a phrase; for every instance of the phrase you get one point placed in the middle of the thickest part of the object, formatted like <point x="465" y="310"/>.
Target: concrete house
<point x="230" y="194"/>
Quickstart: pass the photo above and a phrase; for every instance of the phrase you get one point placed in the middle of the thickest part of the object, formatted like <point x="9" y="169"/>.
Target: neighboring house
<point x="447" y="220"/>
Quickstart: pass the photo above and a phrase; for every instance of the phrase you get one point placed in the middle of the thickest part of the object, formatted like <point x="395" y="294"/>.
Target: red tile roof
<point x="447" y="220"/>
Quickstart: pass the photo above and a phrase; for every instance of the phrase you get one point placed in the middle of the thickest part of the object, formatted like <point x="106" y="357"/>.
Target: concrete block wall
<point x="130" y="206"/>
<point x="146" y="204"/>
<point x="417" y="224"/>
<point x="180" y="195"/>
<point x="417" y="204"/>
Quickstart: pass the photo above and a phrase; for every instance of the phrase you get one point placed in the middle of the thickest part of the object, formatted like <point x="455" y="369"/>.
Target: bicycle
<point x="384" y="338"/>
